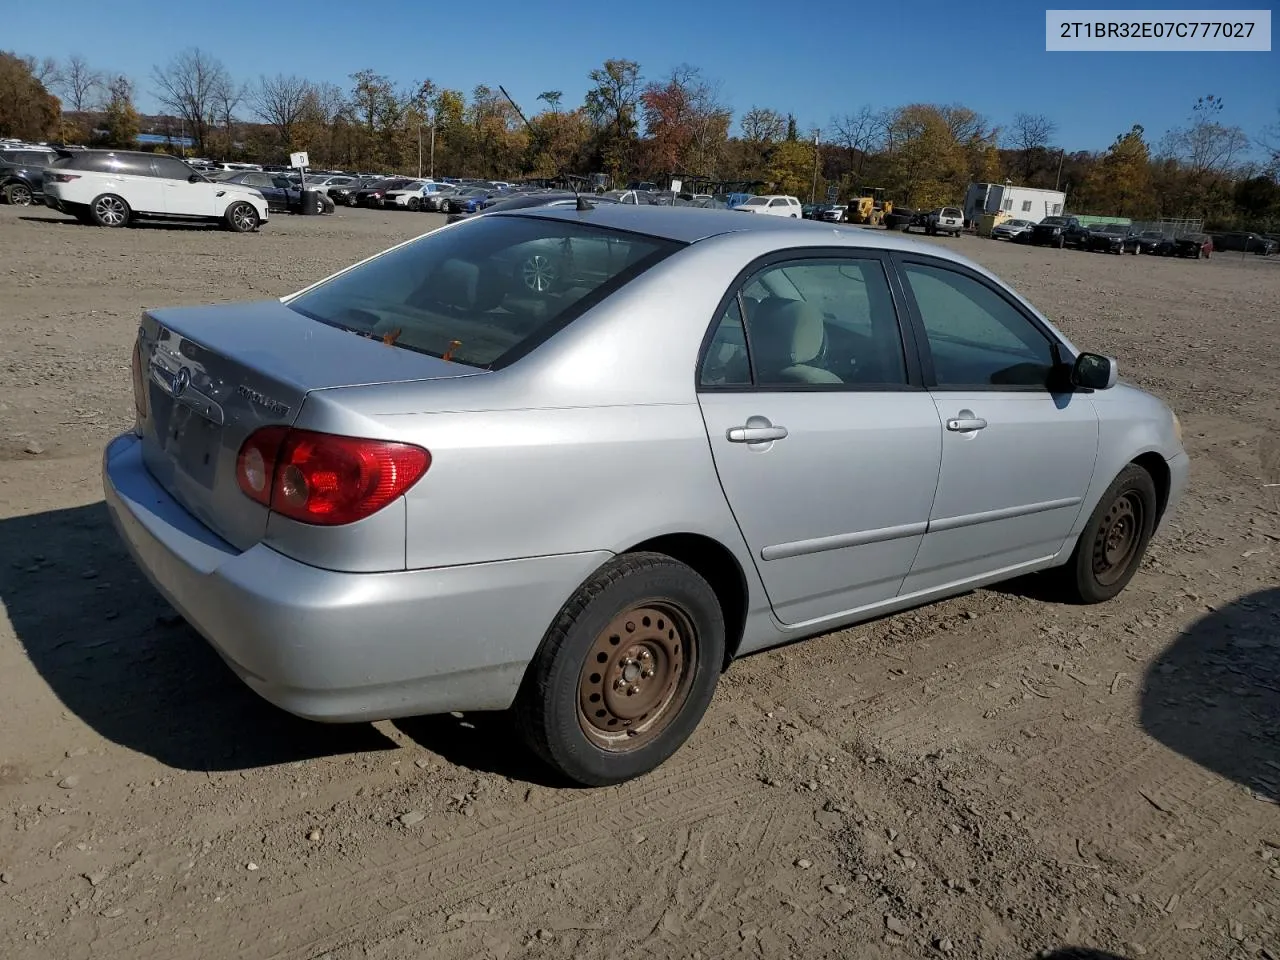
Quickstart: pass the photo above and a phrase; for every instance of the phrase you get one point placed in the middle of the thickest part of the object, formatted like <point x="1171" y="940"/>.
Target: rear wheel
<point x="1113" y="542"/>
<point x="241" y="217"/>
<point x="18" y="194"/>
<point x="108" y="210"/>
<point x="626" y="672"/>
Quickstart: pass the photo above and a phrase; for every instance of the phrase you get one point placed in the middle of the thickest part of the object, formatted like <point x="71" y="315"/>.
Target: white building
<point x="1023" y="203"/>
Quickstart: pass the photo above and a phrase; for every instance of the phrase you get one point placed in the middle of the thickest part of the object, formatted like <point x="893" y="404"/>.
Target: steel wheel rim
<point x="539" y="273"/>
<point x="636" y="676"/>
<point x="1119" y="535"/>
<point x="110" y="210"/>
<point x="19" y="195"/>
<point x="243" y="216"/>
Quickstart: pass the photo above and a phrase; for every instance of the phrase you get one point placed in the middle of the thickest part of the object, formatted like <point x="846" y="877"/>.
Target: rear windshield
<point x="951" y="212"/>
<point x="484" y="293"/>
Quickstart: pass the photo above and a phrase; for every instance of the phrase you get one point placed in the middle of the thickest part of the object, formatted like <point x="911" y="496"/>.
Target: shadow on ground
<point x="484" y="742"/>
<point x="116" y="655"/>
<point x="1076" y="953"/>
<point x="1214" y="694"/>
<point x="134" y="225"/>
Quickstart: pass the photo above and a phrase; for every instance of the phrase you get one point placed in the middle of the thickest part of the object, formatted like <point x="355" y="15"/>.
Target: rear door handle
<point x="756" y="434"/>
<point x="966" y="424"/>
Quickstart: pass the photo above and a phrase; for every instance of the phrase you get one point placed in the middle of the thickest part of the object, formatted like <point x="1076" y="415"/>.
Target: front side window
<point x="484" y="292"/>
<point x="817" y="322"/>
<point x="171" y="168"/>
<point x="756" y="202"/>
<point x="976" y="337"/>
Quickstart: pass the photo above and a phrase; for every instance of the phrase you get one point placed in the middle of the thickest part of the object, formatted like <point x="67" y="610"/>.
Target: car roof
<point x="691" y="224"/>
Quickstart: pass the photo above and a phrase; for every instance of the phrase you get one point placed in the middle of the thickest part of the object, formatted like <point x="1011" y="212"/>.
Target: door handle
<point x="966" y="424"/>
<point x="756" y="434"/>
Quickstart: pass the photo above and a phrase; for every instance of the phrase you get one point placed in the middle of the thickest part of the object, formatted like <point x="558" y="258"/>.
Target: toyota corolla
<point x="573" y="463"/>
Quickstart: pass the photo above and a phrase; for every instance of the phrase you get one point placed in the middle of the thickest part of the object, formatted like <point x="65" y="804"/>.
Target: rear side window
<point x="486" y="293"/>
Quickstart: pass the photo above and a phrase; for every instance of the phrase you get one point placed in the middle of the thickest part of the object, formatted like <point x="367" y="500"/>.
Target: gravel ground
<point x="989" y="777"/>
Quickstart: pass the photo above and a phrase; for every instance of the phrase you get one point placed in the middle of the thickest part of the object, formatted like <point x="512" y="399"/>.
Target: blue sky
<point x="820" y="59"/>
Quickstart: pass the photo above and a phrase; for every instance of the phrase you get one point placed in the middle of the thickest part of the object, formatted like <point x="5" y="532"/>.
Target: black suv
<point x="1060" y="232"/>
<point x="22" y="175"/>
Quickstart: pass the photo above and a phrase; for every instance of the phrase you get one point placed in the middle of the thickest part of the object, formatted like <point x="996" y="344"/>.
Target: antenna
<point x="581" y="206"/>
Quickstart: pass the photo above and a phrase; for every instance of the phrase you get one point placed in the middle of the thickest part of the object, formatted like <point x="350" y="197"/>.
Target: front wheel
<point x="415" y="204"/>
<point x="1113" y="542"/>
<point x="626" y="671"/>
<point x="241" y="217"/>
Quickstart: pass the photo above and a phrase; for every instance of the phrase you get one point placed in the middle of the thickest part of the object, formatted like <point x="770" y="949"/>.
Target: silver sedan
<point x="575" y="462"/>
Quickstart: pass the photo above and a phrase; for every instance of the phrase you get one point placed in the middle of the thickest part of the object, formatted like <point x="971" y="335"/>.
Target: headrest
<point x="787" y="332"/>
<point x="455" y="284"/>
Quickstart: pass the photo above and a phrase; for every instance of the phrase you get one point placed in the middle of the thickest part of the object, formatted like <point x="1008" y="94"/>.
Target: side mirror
<point x="195" y="178"/>
<point x="1092" y="371"/>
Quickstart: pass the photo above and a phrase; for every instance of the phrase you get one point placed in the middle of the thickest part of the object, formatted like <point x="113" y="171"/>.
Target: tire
<point x="415" y="204"/>
<point x="109" y="210"/>
<point x="585" y="726"/>
<point x="1060" y="243"/>
<point x="241" y="217"/>
<point x="19" y="194"/>
<point x="1114" y="541"/>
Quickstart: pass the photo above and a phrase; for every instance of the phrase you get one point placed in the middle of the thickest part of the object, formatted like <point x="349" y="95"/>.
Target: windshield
<point x="756" y="202"/>
<point x="1054" y="221"/>
<point x="1115" y="228"/>
<point x="1017" y="223"/>
<point x="1152" y="235"/>
<point x="486" y="293"/>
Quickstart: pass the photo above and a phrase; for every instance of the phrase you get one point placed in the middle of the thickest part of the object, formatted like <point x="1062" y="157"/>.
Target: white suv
<point x="111" y="187"/>
<point x="774" y="205"/>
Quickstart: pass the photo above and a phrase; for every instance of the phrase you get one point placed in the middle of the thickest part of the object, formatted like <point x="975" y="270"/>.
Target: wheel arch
<point x="1158" y="468"/>
<point x="716" y="564"/>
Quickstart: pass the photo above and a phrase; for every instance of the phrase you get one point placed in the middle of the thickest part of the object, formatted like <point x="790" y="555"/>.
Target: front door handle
<point x="754" y="434"/>
<point x="966" y="423"/>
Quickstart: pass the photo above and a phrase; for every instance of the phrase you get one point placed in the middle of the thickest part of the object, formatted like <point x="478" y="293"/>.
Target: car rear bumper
<point x="334" y="646"/>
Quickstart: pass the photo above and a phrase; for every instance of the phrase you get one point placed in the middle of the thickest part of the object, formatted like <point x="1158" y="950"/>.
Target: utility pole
<point x="419" y="149"/>
<point x="433" y="145"/>
<point x="813" y="191"/>
<point x="1058" y="180"/>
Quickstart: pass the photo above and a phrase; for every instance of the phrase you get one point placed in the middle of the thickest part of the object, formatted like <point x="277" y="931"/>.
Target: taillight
<point x="323" y="479"/>
<point x="139" y="382"/>
<point x="63" y="177"/>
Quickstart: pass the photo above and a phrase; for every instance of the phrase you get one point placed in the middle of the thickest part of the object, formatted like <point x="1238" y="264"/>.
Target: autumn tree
<point x="858" y="133"/>
<point x="27" y="109"/>
<point x="685" y="122"/>
<point x="1030" y="137"/>
<point x="120" y="122"/>
<point x="552" y="99"/>
<point x="280" y="102"/>
<point x="925" y="161"/>
<point x="613" y="104"/>
<point x="1120" y="183"/>
<point x="190" y="86"/>
<point x="81" y="86"/>
<point x="790" y="167"/>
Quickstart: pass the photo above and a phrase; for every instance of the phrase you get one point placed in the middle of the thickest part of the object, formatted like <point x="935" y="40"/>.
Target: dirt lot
<point x="990" y="777"/>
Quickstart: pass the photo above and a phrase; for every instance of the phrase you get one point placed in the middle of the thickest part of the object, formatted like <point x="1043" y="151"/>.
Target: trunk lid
<point x="213" y="375"/>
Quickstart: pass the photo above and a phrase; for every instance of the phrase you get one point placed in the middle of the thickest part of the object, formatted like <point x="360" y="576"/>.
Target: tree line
<point x="633" y="126"/>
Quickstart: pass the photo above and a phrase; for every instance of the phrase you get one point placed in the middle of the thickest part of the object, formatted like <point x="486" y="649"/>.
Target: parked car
<point x="1109" y="238"/>
<point x="1245" y="242"/>
<point x="281" y="193"/>
<point x="948" y="220"/>
<point x="1191" y="245"/>
<point x="1018" y="231"/>
<point x="344" y="193"/>
<point x="468" y="199"/>
<point x="434" y="201"/>
<point x="917" y="220"/>
<point x="408" y="197"/>
<point x="834" y="213"/>
<point x="808" y="211"/>
<point x="373" y="194"/>
<point x="22" y="174"/>
<point x="1148" y="241"/>
<point x="111" y="188"/>
<point x="773" y="205"/>
<point x="1059" y="232"/>
<point x="434" y="506"/>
